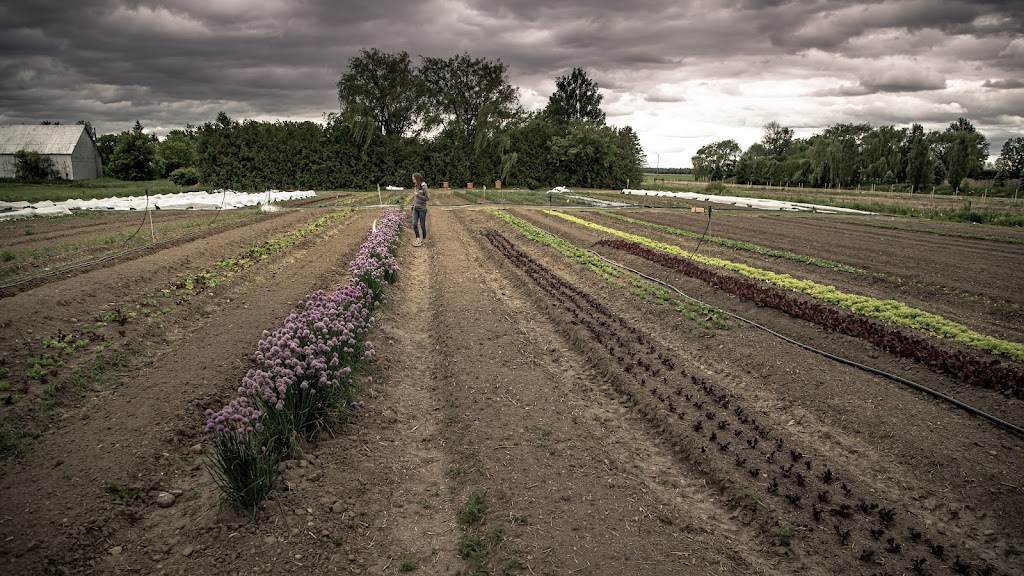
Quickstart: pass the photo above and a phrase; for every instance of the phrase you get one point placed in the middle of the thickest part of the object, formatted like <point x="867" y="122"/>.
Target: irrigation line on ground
<point x="966" y="407"/>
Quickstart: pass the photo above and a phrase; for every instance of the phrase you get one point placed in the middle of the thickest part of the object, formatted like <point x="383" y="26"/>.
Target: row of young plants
<point x="830" y="264"/>
<point x="962" y="366"/>
<point x="777" y="483"/>
<point x="707" y="316"/>
<point x="886" y="310"/>
<point x="76" y="357"/>
<point x="187" y="286"/>
<point x="740" y="245"/>
<point x="305" y="374"/>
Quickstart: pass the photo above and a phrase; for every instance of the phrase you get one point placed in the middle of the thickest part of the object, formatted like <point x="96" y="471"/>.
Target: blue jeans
<point x="419" y="221"/>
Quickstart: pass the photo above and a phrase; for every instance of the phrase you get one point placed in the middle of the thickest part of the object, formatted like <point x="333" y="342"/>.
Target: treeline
<point x="848" y="155"/>
<point x="649" y="170"/>
<point x="454" y="120"/>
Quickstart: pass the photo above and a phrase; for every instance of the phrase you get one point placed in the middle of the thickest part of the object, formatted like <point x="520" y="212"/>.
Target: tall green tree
<point x="632" y="158"/>
<point x="381" y="90"/>
<point x="882" y="156"/>
<point x="178" y="150"/>
<point x="777" y="139"/>
<point x="920" y="164"/>
<point x="835" y="155"/>
<point x="134" y="157"/>
<point x="1011" y="158"/>
<point x="576" y="98"/>
<point x="964" y="151"/>
<point x="470" y="96"/>
<point x="716" y="161"/>
<point x="106" y="145"/>
<point x="755" y="165"/>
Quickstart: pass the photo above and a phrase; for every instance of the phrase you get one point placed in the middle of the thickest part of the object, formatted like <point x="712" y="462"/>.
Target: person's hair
<point x="418" y="178"/>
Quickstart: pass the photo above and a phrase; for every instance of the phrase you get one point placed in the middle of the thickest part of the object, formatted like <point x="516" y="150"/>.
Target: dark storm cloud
<point x="1007" y="84"/>
<point x="176" y="62"/>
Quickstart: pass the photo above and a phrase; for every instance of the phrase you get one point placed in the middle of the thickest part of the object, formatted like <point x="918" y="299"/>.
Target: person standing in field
<point x="419" y="209"/>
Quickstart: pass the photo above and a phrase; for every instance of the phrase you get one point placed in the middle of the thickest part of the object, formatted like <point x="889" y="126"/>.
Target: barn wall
<point x="85" y="160"/>
<point x="7" y="166"/>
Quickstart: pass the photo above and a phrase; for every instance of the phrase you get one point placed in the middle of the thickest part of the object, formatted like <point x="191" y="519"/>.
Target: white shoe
<point x="418" y="242"/>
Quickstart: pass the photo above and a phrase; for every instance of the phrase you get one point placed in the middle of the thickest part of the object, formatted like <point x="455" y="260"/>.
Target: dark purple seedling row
<point x="961" y="365"/>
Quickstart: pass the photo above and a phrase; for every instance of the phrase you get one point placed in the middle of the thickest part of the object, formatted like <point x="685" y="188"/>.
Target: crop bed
<point x="531" y="407"/>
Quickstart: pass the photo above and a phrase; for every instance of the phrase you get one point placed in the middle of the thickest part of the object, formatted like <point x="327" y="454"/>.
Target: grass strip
<point x="885" y="310"/>
<point x="740" y="245"/>
<point x="706" y="316"/>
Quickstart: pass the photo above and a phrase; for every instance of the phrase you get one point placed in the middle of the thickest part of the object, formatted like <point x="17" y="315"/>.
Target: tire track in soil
<point x="575" y="484"/>
<point x="139" y="429"/>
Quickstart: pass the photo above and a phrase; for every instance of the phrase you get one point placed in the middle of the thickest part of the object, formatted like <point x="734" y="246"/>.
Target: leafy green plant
<point x="407" y="565"/>
<point x="787" y="530"/>
<point x="7" y="256"/>
<point x="471" y="548"/>
<point x="37" y="372"/>
<point x="66" y="343"/>
<point x="124" y="492"/>
<point x="6" y="396"/>
<point x="474" y="509"/>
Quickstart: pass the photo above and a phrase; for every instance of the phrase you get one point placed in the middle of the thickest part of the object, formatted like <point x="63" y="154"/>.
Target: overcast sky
<point x="682" y="73"/>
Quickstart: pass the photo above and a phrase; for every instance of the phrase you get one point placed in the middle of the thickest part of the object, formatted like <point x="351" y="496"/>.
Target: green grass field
<point x="655" y="178"/>
<point x="59" y="190"/>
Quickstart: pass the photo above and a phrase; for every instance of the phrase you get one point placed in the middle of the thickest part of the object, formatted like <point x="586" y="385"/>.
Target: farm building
<point x="74" y="154"/>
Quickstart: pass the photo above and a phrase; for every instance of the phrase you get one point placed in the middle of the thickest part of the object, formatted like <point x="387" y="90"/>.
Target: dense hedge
<point x="532" y="153"/>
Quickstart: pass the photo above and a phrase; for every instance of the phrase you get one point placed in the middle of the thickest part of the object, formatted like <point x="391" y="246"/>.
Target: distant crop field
<point x="667" y="178"/>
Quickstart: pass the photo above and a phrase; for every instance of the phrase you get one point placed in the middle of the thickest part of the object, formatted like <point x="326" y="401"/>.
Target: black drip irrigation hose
<point x="967" y="408"/>
<point x="145" y="213"/>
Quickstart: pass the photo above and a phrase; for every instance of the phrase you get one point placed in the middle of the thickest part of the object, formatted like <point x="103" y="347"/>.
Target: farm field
<point x="532" y="409"/>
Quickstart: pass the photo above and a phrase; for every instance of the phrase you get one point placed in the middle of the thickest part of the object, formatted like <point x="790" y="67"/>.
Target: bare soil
<point x="599" y="433"/>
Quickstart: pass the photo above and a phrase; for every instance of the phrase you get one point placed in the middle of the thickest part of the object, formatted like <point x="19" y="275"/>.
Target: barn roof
<point x="41" y="138"/>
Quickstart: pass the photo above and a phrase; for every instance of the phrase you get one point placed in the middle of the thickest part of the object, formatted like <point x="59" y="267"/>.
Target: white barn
<point x="74" y="154"/>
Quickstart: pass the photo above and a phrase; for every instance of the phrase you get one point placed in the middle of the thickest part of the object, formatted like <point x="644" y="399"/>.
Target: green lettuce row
<point x="885" y="310"/>
<point x="705" y="315"/>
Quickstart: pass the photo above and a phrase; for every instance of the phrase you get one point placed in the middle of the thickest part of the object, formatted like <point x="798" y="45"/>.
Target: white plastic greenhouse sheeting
<point x="201" y="200"/>
<point x="756" y="203"/>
